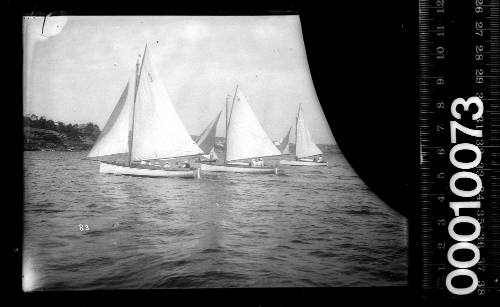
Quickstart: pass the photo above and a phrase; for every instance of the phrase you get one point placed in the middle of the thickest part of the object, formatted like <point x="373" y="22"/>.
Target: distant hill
<point x="43" y="139"/>
<point x="43" y="134"/>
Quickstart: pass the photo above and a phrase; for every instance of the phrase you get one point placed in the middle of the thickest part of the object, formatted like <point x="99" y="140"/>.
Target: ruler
<point x="459" y="173"/>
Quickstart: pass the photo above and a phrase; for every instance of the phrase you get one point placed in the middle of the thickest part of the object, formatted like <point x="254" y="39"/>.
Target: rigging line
<point x="138" y="80"/>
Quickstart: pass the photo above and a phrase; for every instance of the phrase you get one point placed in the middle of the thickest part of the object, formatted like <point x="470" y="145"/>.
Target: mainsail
<point x="149" y="123"/>
<point x="304" y="145"/>
<point x="157" y="129"/>
<point x="245" y="136"/>
<point x="206" y="140"/>
<point x="285" y="143"/>
<point x="114" y="136"/>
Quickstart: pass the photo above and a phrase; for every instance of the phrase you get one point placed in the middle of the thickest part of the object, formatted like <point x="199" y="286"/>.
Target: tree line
<point x="74" y="131"/>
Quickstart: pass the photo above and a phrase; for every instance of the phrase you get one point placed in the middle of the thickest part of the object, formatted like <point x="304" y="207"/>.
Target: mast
<point x="296" y="125"/>
<point x="137" y="79"/>
<point x="227" y="122"/>
<point x="225" y="137"/>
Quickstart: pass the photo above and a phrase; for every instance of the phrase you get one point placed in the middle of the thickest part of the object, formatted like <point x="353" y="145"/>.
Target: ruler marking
<point x="430" y="70"/>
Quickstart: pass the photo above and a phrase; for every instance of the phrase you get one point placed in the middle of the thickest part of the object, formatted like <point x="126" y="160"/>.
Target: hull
<point x="208" y="161"/>
<point x="303" y="163"/>
<point x="108" y="168"/>
<point x="238" y="163"/>
<point x="237" y="169"/>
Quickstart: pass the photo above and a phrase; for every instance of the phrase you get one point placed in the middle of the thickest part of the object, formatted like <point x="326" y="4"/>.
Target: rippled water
<point x="305" y="227"/>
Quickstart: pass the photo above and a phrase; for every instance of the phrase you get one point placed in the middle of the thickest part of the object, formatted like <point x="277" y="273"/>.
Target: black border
<point x="320" y="24"/>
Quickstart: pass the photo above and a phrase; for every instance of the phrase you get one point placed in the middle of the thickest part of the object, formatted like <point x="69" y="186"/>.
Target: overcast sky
<point x="76" y="71"/>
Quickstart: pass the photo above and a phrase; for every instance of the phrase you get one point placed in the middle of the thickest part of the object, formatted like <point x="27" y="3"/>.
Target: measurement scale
<point x="459" y="174"/>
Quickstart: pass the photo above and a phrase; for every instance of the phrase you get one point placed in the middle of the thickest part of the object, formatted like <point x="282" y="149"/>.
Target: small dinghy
<point x="145" y="126"/>
<point x="304" y="146"/>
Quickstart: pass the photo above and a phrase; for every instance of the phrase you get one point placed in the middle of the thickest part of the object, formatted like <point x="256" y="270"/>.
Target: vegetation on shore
<point x="45" y="134"/>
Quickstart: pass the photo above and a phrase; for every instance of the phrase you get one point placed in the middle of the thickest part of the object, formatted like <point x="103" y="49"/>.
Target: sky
<point x="77" y="69"/>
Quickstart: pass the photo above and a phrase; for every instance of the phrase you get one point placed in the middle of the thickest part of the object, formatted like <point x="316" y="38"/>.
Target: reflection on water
<point x="305" y="227"/>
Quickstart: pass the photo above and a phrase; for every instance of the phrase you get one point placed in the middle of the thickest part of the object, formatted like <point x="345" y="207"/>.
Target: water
<point x="307" y="227"/>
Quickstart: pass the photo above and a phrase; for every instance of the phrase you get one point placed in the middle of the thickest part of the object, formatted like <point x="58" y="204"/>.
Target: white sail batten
<point x="114" y="136"/>
<point x="245" y="136"/>
<point x="206" y="140"/>
<point x="285" y="143"/>
<point x="158" y="131"/>
<point x="304" y="145"/>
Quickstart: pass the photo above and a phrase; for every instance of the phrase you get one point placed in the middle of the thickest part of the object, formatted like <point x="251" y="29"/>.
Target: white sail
<point x="286" y="150"/>
<point x="157" y="129"/>
<point x="304" y="145"/>
<point x="210" y="156"/>
<point x="245" y="136"/>
<point x="213" y="155"/>
<point x="206" y="140"/>
<point x="114" y="136"/>
<point x="285" y="143"/>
